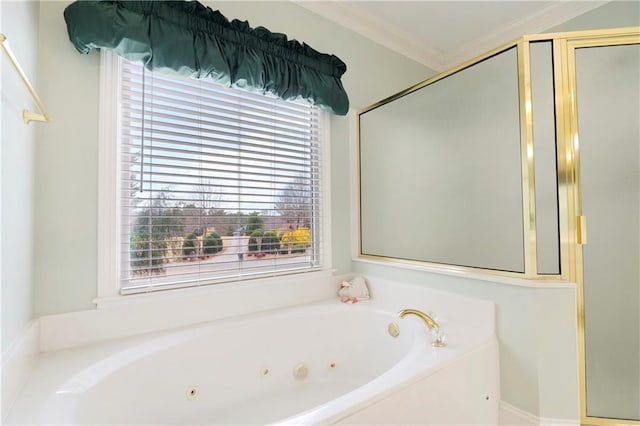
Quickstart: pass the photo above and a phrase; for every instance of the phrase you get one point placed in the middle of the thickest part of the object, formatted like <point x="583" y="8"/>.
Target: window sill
<point x="125" y="316"/>
<point x="216" y="291"/>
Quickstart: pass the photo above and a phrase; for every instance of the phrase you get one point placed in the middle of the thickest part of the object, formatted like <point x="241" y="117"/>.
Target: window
<point x="214" y="184"/>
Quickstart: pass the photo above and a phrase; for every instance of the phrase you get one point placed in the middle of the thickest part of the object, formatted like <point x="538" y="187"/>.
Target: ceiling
<point x="442" y="34"/>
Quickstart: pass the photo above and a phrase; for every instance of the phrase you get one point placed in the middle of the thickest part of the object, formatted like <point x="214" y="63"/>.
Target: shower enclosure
<point x="533" y="150"/>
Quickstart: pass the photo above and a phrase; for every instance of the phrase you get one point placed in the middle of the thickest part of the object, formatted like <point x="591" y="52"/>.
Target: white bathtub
<point x="241" y="371"/>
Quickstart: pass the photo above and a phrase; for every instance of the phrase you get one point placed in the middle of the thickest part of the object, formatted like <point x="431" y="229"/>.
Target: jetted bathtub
<point x="324" y="363"/>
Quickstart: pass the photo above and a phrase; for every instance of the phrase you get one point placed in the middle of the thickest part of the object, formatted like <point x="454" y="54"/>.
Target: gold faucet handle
<point x="429" y="322"/>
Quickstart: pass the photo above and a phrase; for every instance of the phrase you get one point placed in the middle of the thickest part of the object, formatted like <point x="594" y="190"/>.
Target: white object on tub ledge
<point x="239" y="370"/>
<point x="354" y="290"/>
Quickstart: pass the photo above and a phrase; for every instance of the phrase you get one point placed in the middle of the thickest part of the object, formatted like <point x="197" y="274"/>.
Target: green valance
<point x="189" y="39"/>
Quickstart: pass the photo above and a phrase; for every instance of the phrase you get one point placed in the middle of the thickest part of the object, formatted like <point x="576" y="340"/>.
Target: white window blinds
<point x="216" y="185"/>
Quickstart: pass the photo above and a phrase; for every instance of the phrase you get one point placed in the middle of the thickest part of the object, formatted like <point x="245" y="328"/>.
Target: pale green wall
<point x="19" y="23"/>
<point x="66" y="171"/>
<point x="66" y="157"/>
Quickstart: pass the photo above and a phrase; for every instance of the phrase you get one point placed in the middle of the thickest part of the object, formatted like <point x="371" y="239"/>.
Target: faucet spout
<point x="429" y="322"/>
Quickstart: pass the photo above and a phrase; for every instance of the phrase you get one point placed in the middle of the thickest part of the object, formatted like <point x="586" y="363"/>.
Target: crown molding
<point x="377" y="31"/>
<point x="398" y="40"/>
<point x="546" y="18"/>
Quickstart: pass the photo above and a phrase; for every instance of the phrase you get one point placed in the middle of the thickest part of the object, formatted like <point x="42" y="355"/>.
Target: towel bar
<point x="27" y="116"/>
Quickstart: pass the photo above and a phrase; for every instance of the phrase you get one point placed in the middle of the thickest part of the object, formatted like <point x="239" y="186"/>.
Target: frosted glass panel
<point x="544" y="150"/>
<point x="609" y="130"/>
<point x="440" y="171"/>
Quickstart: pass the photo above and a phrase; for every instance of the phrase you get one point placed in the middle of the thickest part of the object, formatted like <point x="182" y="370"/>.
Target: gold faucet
<point x="430" y="322"/>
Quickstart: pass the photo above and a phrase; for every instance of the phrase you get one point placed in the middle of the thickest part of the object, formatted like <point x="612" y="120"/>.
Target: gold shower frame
<point x="569" y="172"/>
<point x="572" y="224"/>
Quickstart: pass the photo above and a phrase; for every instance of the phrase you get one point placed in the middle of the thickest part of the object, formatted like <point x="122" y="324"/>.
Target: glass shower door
<point x="608" y="105"/>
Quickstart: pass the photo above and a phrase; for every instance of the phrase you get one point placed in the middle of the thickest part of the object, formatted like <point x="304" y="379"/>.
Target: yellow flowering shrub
<point x="300" y="237"/>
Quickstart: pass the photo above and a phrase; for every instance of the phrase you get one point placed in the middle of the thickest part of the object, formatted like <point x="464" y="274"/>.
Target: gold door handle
<point x="581" y="225"/>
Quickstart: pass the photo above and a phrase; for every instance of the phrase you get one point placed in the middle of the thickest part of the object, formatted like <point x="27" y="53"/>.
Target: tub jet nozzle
<point x="300" y="371"/>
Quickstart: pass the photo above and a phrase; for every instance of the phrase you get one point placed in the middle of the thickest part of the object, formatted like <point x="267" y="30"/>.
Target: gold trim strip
<point x="585" y="34"/>
<point x="440" y="76"/>
<point x="575" y="206"/>
<point x="601" y="421"/>
<point x="564" y="155"/>
<point x="570" y="256"/>
<point x="527" y="166"/>
<point x="455" y="268"/>
<point x="27" y="116"/>
<point x="618" y="40"/>
<point x="358" y="188"/>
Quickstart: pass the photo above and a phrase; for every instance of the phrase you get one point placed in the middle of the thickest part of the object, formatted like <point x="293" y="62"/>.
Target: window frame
<point x="109" y="259"/>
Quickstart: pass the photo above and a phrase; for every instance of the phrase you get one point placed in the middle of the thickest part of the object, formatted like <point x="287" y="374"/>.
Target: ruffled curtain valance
<point x="189" y="39"/>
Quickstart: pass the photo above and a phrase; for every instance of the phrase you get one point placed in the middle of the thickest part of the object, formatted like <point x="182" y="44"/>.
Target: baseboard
<point x="513" y="416"/>
<point x="558" y="422"/>
<point x="17" y="363"/>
